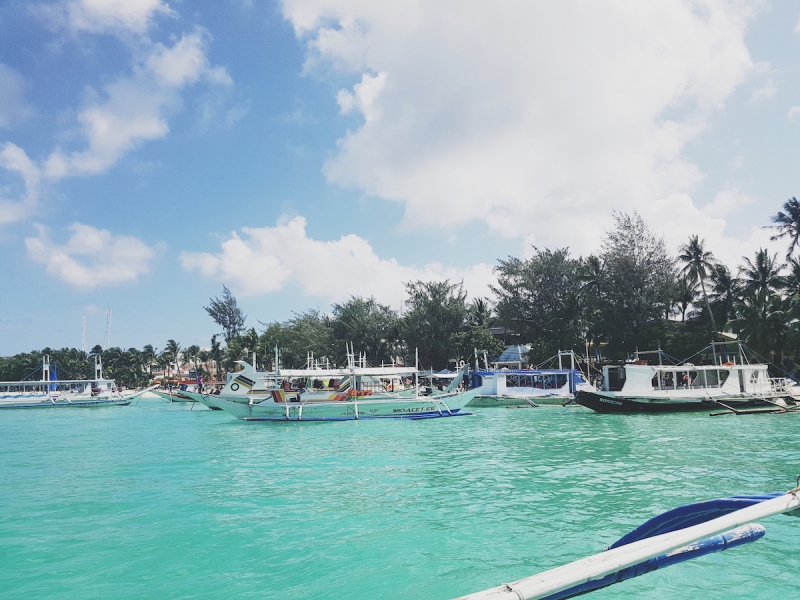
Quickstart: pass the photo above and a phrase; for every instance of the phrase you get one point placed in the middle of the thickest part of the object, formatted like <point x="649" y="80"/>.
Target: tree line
<point x="632" y="294"/>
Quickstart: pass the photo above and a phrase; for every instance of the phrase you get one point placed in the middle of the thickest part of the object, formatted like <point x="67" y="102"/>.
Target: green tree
<point x="371" y="327"/>
<point x="761" y="322"/>
<point x="685" y="295"/>
<point x="227" y="314"/>
<point x="724" y="292"/>
<point x="306" y="332"/>
<point x="788" y="225"/>
<point x="634" y="294"/>
<point x="540" y="297"/>
<point x="763" y="274"/>
<point x="437" y="314"/>
<point x="698" y="264"/>
<point x="216" y="355"/>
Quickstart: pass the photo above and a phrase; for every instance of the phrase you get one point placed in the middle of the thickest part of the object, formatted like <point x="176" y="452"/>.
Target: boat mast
<point x="416" y="372"/>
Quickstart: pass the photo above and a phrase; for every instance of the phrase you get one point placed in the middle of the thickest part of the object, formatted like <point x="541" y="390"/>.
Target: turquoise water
<point x="157" y="500"/>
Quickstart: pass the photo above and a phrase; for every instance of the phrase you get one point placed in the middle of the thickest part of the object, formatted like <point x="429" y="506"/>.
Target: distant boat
<point x="641" y="387"/>
<point x="529" y="387"/>
<point x="51" y="391"/>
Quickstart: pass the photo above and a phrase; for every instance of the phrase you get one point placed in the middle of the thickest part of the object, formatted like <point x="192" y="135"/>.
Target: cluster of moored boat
<point x="359" y="391"/>
<point x="51" y="391"/>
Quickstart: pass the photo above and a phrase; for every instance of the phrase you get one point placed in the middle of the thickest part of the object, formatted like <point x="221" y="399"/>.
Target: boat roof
<point x="56" y="381"/>
<point x="327" y="373"/>
<point x="691" y="367"/>
<point x="525" y="371"/>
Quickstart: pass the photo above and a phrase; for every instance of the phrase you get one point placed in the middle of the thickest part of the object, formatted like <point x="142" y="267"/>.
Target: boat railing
<point x="778" y="384"/>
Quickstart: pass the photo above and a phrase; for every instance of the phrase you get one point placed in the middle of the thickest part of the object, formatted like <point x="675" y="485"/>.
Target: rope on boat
<point x="680" y="534"/>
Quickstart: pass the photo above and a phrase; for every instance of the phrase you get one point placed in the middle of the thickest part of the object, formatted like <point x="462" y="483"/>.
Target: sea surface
<point x="157" y="500"/>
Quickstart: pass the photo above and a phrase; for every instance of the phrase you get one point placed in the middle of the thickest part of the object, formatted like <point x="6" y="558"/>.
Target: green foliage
<point x="227" y="314"/>
<point x="540" y="297"/>
<point x="475" y="337"/>
<point x="437" y="314"/>
<point x="371" y="327"/>
<point x="127" y="367"/>
<point x="634" y="295"/>
<point x="305" y="332"/>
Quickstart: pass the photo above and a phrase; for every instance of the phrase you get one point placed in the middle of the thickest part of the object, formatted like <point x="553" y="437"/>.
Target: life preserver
<point x="727" y="364"/>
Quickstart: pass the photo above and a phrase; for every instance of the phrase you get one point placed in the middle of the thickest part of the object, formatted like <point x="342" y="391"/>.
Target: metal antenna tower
<point x="108" y="330"/>
<point x="83" y="339"/>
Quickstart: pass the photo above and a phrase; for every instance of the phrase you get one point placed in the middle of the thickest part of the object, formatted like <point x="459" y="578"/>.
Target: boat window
<point x="561" y="380"/>
<point x="616" y="379"/>
<point x="688" y="379"/>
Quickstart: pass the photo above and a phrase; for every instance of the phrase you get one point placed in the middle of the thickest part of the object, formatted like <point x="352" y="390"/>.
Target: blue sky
<point x="301" y="152"/>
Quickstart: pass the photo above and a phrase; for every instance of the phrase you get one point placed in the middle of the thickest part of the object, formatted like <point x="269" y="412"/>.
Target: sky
<point x="302" y="152"/>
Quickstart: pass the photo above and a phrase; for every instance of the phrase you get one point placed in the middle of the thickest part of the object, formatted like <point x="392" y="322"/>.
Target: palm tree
<point x="190" y="355"/>
<point x="760" y="321"/>
<point x="698" y="264"/>
<point x="763" y="274"/>
<point x="480" y="312"/>
<point x="149" y="356"/>
<point x="724" y="292"/>
<point x="685" y="295"/>
<point x="788" y="224"/>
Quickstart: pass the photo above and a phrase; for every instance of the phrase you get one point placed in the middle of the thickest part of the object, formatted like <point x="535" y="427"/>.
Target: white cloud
<point x="794" y="112"/>
<point x="363" y="96"/>
<point x="101" y="16"/>
<point x="13" y="158"/>
<point x="764" y="93"/>
<point x="532" y="117"/>
<point x="676" y="217"/>
<point x="135" y="108"/>
<point x="727" y="202"/>
<point x="12" y="104"/>
<point x="91" y="258"/>
<point x="268" y="259"/>
<point x="132" y="110"/>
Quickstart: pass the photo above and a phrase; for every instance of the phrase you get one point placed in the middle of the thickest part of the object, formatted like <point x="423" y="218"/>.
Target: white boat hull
<point x="67" y="401"/>
<point x="444" y="405"/>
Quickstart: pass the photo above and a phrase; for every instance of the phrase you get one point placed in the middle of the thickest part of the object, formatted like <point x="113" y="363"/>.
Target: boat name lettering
<point x="607" y="401"/>
<point x="414" y="409"/>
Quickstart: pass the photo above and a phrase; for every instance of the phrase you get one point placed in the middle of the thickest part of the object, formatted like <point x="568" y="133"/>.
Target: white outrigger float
<point x="51" y="391"/>
<point x="334" y="394"/>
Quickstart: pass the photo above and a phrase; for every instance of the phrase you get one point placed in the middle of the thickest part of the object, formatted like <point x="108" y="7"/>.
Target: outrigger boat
<point x="641" y="387"/>
<point x="529" y="387"/>
<point x="335" y="394"/>
<point x="51" y="391"/>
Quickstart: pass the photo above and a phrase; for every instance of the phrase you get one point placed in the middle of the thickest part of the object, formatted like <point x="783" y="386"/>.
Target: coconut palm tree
<point x="724" y="292"/>
<point x="685" y="295"/>
<point x="761" y="321"/>
<point x="190" y="355"/>
<point x="149" y="356"/>
<point x="788" y="224"/>
<point x="698" y="264"/>
<point x="762" y="274"/>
